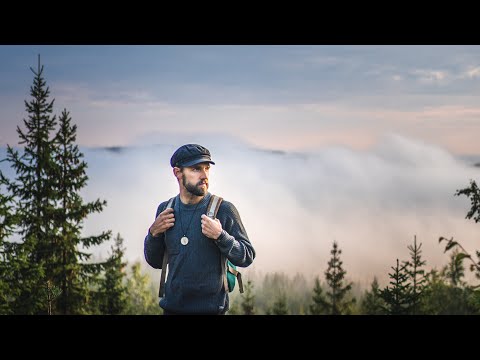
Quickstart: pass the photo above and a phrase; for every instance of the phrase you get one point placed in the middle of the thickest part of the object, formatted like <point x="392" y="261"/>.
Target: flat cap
<point x="189" y="155"/>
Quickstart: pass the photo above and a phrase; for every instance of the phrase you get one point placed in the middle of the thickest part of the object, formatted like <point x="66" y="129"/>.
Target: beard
<point x="194" y="189"/>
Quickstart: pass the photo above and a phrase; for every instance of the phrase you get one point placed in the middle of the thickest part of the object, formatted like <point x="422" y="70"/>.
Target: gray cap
<point x="189" y="155"/>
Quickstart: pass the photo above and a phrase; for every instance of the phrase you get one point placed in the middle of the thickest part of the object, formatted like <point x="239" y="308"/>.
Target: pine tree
<point x="49" y="174"/>
<point x="397" y="297"/>
<point x="300" y="294"/>
<point x="112" y="288"/>
<point x="455" y="270"/>
<point x="372" y="303"/>
<point x="416" y="275"/>
<point x="141" y="300"/>
<point x="77" y="276"/>
<point x="8" y="288"/>
<point x="338" y="304"/>
<point x="248" y="299"/>
<point x="34" y="199"/>
<point x="473" y="193"/>
<point x="280" y="305"/>
<point x="441" y="298"/>
<point x="320" y="304"/>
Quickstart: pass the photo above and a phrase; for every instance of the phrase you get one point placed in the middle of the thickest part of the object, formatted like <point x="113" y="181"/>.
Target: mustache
<point x="202" y="182"/>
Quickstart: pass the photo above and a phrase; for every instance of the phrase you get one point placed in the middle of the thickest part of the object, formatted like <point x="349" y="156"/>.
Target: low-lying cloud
<point x="294" y="205"/>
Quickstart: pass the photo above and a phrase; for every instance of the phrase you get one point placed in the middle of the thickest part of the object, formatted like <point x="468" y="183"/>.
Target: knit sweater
<point x="194" y="282"/>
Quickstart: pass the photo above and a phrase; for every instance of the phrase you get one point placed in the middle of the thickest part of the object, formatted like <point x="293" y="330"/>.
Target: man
<point x="196" y="244"/>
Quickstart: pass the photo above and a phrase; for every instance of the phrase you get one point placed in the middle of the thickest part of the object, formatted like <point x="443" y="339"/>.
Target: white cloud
<point x="294" y="205"/>
<point x="472" y="73"/>
<point x="431" y="76"/>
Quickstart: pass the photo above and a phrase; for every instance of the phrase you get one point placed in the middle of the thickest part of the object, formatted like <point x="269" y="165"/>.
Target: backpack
<point x="231" y="274"/>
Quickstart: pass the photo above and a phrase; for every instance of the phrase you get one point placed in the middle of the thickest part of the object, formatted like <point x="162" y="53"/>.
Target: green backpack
<point x="231" y="272"/>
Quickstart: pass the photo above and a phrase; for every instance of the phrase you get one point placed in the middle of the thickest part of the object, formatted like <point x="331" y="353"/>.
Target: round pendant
<point x="184" y="240"/>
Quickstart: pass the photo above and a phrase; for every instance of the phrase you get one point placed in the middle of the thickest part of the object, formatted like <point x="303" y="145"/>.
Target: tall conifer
<point x="319" y="304"/>
<point x="397" y="296"/>
<point x="248" y="299"/>
<point x="34" y="198"/>
<point x="335" y="274"/>
<point x="112" y="287"/>
<point x="75" y="274"/>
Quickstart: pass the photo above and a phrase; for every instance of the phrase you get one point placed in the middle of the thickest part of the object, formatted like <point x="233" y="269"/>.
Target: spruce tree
<point x="372" y="303"/>
<point x="397" y="297"/>
<point x="49" y="174"/>
<point x="248" y="299"/>
<point x="8" y="260"/>
<point x="33" y="191"/>
<point x="280" y="305"/>
<point x="473" y="193"/>
<point x="112" y="288"/>
<point x="335" y="274"/>
<point x="141" y="299"/>
<point x="441" y="298"/>
<point x="74" y="272"/>
<point x="455" y="270"/>
<point x="320" y="304"/>
<point x="416" y="275"/>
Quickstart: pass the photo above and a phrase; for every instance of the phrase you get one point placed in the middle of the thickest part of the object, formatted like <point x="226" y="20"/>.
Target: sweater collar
<point x="187" y="207"/>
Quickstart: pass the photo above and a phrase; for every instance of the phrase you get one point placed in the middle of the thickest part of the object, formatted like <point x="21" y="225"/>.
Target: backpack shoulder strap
<point x="213" y="206"/>
<point x="161" y="289"/>
<point x="212" y="210"/>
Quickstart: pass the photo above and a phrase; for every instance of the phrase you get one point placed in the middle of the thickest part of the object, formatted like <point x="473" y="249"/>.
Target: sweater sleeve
<point x="154" y="247"/>
<point x="233" y="241"/>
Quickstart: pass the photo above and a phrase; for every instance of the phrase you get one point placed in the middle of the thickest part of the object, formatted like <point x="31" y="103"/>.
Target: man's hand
<point x="211" y="228"/>
<point x="164" y="221"/>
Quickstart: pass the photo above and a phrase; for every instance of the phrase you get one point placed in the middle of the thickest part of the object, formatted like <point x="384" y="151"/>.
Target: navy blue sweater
<point x="195" y="279"/>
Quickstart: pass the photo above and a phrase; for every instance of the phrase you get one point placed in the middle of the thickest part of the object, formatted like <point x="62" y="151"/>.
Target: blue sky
<point x="279" y="97"/>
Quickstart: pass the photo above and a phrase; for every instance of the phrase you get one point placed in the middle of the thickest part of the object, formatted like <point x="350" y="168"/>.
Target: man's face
<point x="195" y="178"/>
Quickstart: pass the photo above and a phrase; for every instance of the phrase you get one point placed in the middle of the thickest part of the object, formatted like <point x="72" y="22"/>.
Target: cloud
<point x="294" y="205"/>
<point x="474" y="72"/>
<point x="431" y="76"/>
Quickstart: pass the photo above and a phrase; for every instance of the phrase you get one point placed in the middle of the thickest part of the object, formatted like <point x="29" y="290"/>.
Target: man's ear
<point x="177" y="173"/>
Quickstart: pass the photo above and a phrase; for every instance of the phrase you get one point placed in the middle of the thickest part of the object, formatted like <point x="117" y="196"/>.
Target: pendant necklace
<point x="184" y="239"/>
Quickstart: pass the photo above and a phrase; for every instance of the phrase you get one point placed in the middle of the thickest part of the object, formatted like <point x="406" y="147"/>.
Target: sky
<point x="364" y="145"/>
<point x="273" y="97"/>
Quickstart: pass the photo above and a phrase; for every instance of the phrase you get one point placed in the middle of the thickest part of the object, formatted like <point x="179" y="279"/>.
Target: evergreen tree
<point x="141" y="298"/>
<point x="416" y="274"/>
<point x="112" y="288"/>
<point x="297" y="290"/>
<point x="280" y="305"/>
<point x="397" y="297"/>
<point x="49" y="175"/>
<point x="74" y="272"/>
<point x="441" y="298"/>
<point x="473" y="193"/>
<point x="320" y="304"/>
<point x="335" y="274"/>
<point x="234" y="308"/>
<point x="299" y="295"/>
<point x="372" y="303"/>
<point x="8" y="288"/>
<point x="273" y="284"/>
<point x="248" y="299"/>
<point x="34" y="196"/>
<point x="455" y="270"/>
